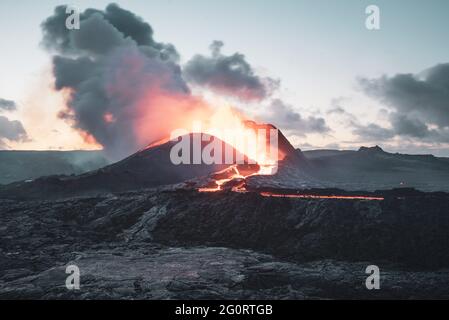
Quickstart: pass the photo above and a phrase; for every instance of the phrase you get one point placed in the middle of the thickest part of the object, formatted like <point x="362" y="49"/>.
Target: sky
<point x="336" y="83"/>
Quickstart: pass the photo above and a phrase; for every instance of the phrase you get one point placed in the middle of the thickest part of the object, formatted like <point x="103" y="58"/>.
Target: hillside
<point x="25" y="165"/>
<point x="373" y="168"/>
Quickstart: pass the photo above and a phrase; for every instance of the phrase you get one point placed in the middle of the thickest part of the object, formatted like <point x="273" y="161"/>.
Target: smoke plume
<point x="119" y="78"/>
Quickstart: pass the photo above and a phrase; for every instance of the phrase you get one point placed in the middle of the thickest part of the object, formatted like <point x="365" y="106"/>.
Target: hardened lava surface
<point x="182" y="244"/>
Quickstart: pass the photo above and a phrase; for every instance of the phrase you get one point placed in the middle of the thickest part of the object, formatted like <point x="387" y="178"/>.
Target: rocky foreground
<point x="187" y="245"/>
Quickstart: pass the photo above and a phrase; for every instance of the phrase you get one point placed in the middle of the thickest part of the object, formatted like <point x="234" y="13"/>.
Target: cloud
<point x="337" y="110"/>
<point x="286" y="118"/>
<point x="418" y="103"/>
<point x="7" y="105"/>
<point x="118" y="76"/>
<point x="11" y="130"/>
<point x="406" y="126"/>
<point x="400" y="126"/>
<point x="228" y="75"/>
<point x="337" y="106"/>
<point x="372" y="132"/>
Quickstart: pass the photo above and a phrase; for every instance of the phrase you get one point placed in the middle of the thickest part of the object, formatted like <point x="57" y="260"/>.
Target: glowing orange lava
<point x="157" y="143"/>
<point x="234" y="175"/>
<point x="258" y="143"/>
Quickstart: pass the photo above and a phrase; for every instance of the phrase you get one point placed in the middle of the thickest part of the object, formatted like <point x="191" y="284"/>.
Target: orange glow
<point x="223" y="122"/>
<point x="89" y="139"/>
<point x="109" y="117"/>
<point x="243" y="138"/>
<point x="235" y="174"/>
<point x="157" y="143"/>
<point x="38" y="112"/>
<point x="265" y="158"/>
<point x="159" y="113"/>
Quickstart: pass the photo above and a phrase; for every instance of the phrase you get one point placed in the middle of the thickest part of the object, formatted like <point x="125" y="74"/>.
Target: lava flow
<point x="234" y="180"/>
<point x="233" y="177"/>
<point x="262" y="146"/>
<point x="258" y="143"/>
<point x="314" y="196"/>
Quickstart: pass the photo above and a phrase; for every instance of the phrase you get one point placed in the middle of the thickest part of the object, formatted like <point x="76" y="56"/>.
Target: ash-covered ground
<point x="182" y="244"/>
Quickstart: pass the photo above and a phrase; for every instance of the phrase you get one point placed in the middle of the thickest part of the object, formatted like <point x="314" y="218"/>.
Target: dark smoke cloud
<point x="228" y="75"/>
<point x="110" y="65"/>
<point x="116" y="73"/>
<point x="7" y="105"/>
<point x="126" y="25"/>
<point x="11" y="130"/>
<point x="285" y="117"/>
<point x="419" y="103"/>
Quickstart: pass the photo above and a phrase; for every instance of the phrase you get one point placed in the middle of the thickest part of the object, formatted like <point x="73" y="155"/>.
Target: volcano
<point x="289" y="171"/>
<point x="147" y="168"/>
<point x="152" y="167"/>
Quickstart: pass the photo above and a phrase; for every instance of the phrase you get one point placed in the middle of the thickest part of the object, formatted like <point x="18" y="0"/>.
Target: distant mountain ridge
<point x="318" y="153"/>
<point x="371" y="168"/>
<point x="147" y="168"/>
<point x="25" y="165"/>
